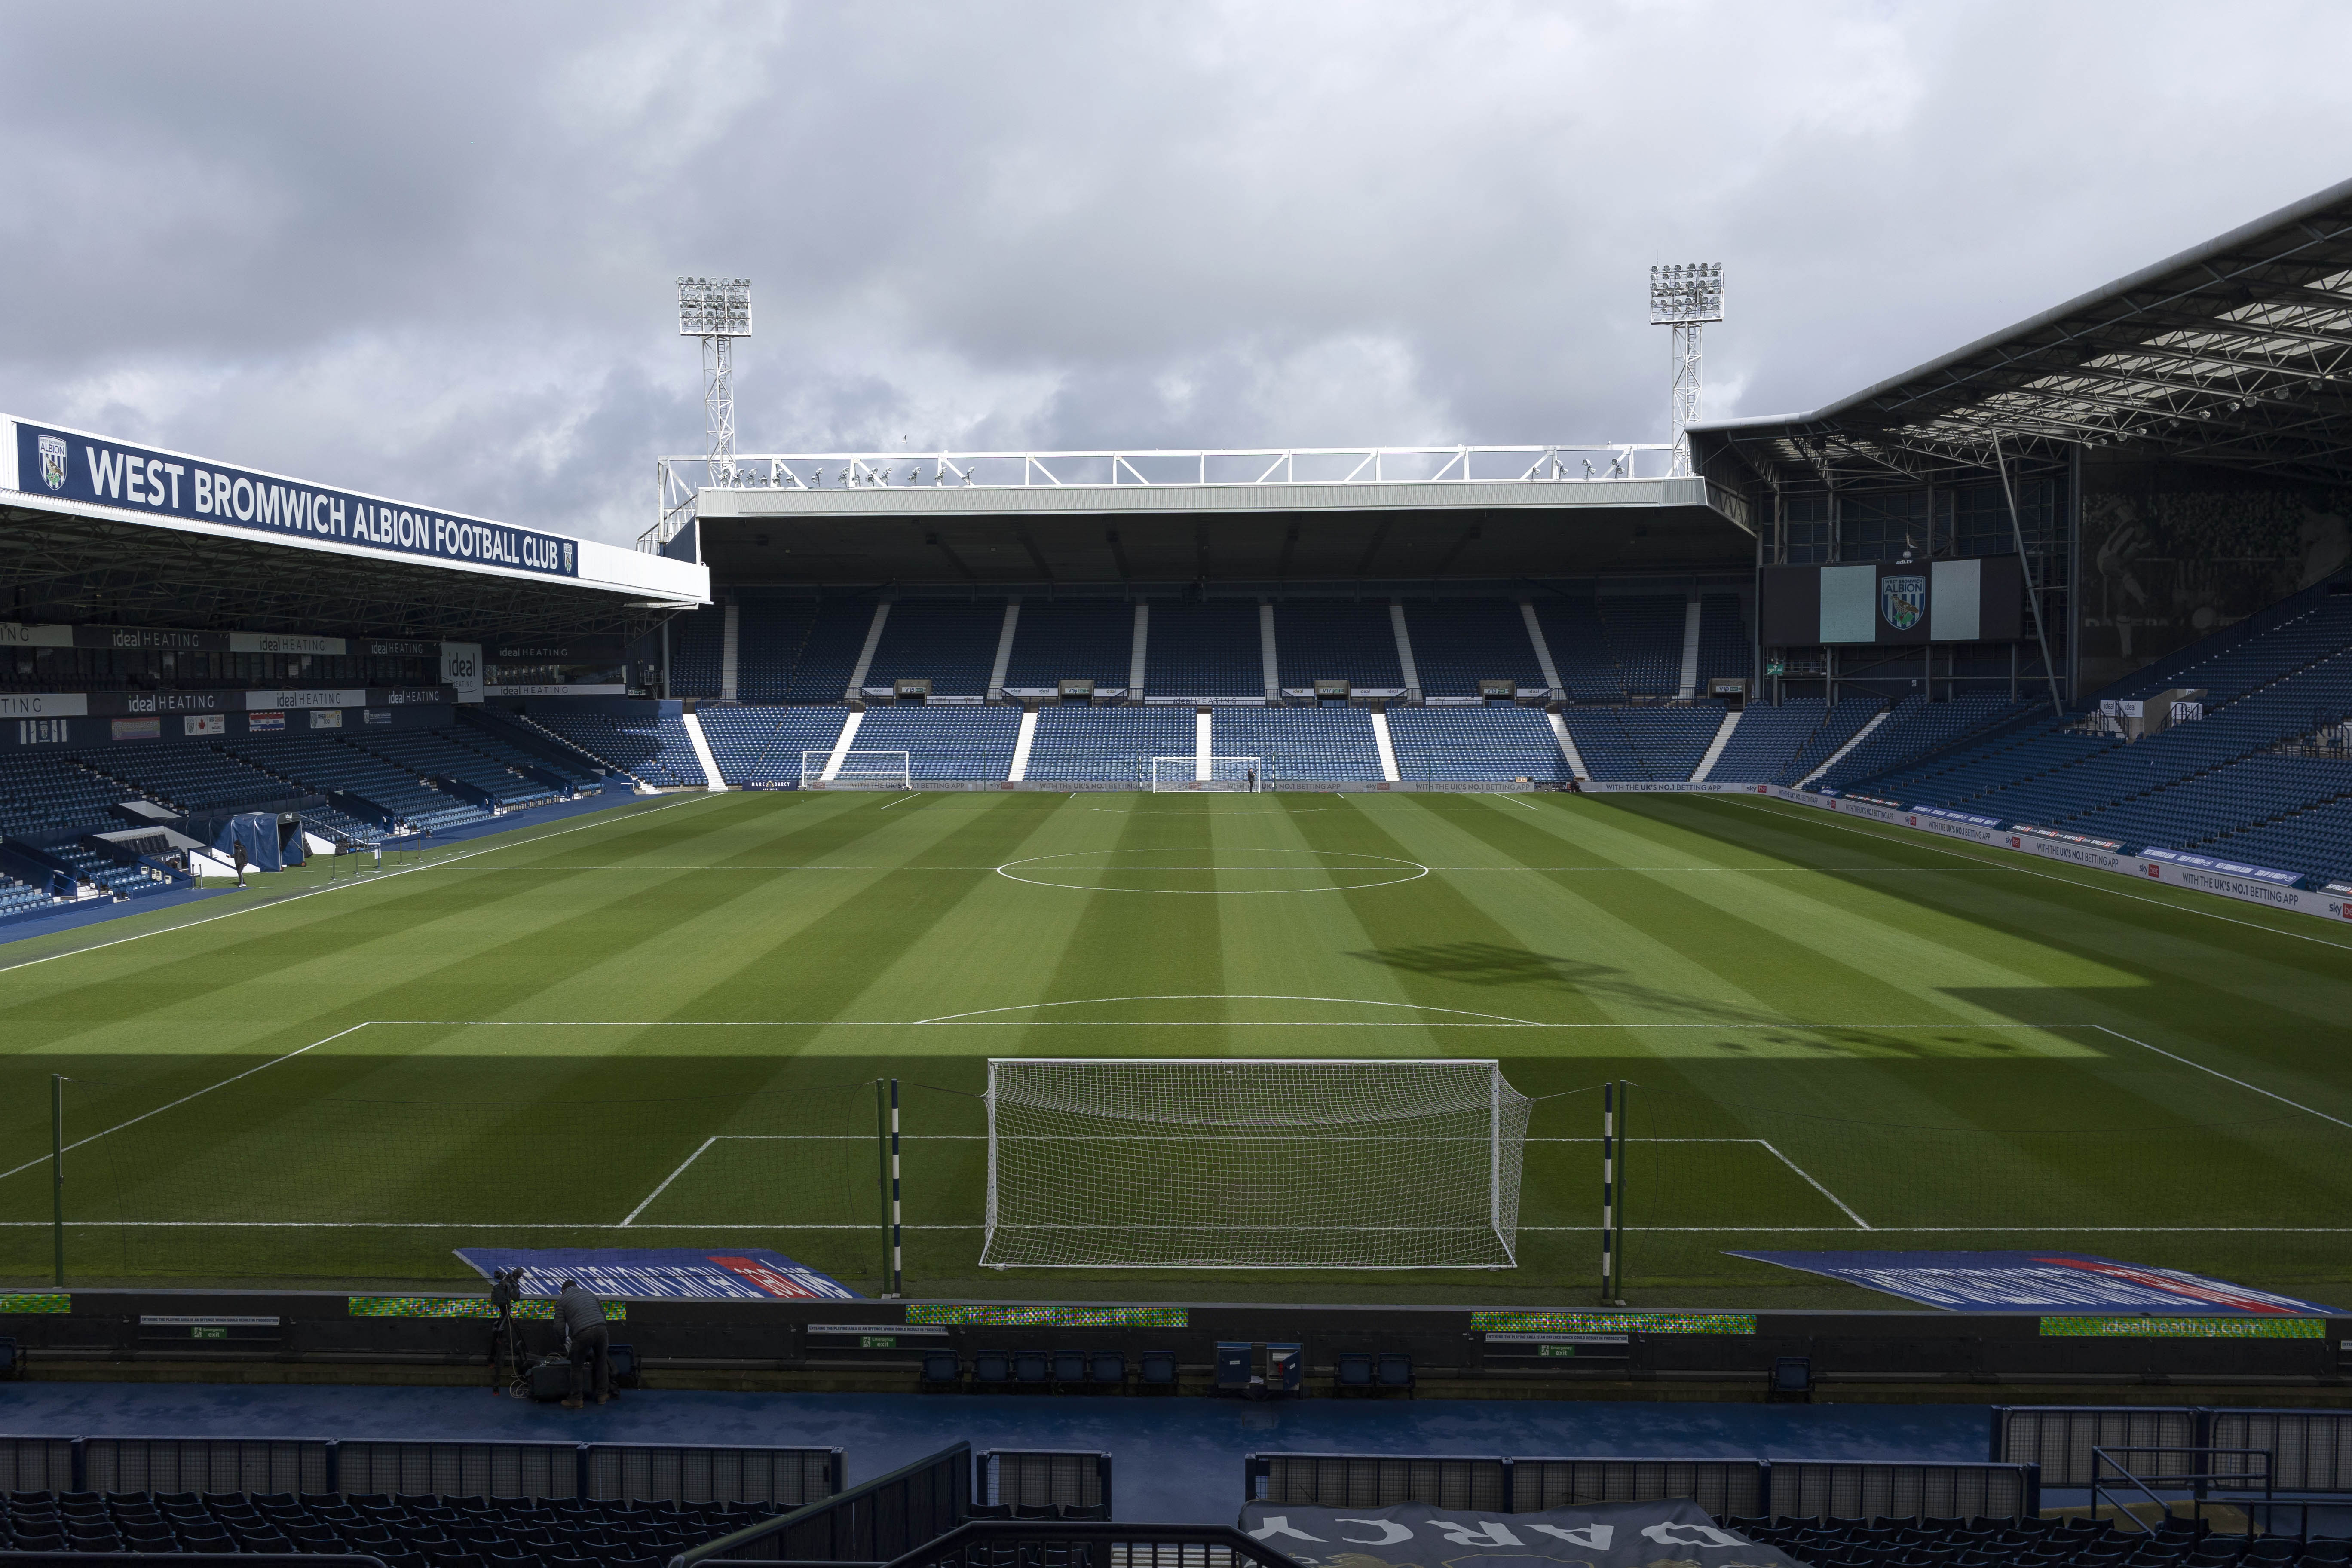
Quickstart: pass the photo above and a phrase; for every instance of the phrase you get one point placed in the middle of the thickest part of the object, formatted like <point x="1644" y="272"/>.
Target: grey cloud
<point x="426" y="249"/>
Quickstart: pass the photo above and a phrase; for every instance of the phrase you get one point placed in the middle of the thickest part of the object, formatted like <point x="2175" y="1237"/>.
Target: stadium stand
<point x="1767" y="740"/>
<point x="188" y="777"/>
<point x="1300" y="744"/>
<point x="1208" y="648"/>
<point x="1635" y="744"/>
<point x="433" y="755"/>
<point x="828" y="652"/>
<point x="1074" y="741"/>
<point x="402" y="1531"/>
<point x="100" y="870"/>
<point x="1572" y="629"/>
<point x="1072" y="639"/>
<point x="40" y="791"/>
<point x="1644" y="639"/>
<point x="951" y="643"/>
<point x="1914" y="728"/>
<point x="1722" y="646"/>
<point x="695" y="639"/>
<point x="764" y="745"/>
<point x="326" y="765"/>
<point x="17" y="899"/>
<point x="1497" y="741"/>
<point x="653" y="747"/>
<point x="1334" y="640"/>
<point x="1457" y="643"/>
<point x="770" y="634"/>
<point x="506" y="739"/>
<point x="944" y="743"/>
<point x="496" y="738"/>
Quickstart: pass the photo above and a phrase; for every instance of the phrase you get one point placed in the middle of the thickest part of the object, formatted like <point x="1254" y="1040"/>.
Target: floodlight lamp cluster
<point x="1686" y="292"/>
<point x="714" y="307"/>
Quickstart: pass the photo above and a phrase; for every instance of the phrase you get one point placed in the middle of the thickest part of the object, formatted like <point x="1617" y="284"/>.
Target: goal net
<point x="1232" y="774"/>
<point x="1233" y="1164"/>
<point x="859" y="770"/>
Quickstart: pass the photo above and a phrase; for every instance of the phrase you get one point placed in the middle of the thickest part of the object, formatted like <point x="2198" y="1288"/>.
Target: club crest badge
<point x="53" y="461"/>
<point x="1902" y="601"/>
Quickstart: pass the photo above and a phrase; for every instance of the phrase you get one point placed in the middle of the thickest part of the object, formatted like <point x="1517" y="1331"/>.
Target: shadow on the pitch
<point x="1489" y="963"/>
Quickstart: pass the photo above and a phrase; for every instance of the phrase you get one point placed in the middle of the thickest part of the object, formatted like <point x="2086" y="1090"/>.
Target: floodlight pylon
<point x="718" y="311"/>
<point x="1686" y="295"/>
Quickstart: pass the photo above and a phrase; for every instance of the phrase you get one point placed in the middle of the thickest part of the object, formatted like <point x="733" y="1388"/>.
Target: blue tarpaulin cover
<point x="676" y="1273"/>
<point x="2040" y="1282"/>
<point x="258" y="831"/>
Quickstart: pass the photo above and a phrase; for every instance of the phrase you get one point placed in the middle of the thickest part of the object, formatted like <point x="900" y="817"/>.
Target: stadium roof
<point x="2237" y="352"/>
<point x="94" y="530"/>
<point x="1108" y="520"/>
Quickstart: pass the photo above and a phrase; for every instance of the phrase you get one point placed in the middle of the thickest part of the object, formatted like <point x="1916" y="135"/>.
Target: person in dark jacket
<point x="586" y="1339"/>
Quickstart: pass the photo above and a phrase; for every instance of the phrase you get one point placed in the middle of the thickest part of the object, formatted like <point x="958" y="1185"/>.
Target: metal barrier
<point x="1378" y="1480"/>
<point x="994" y="1543"/>
<point x="460" y="1469"/>
<point x="1843" y="1489"/>
<point x="1724" y="1487"/>
<point x="662" y="1472"/>
<point x="2310" y="1450"/>
<point x="39" y="1463"/>
<point x="2060" y="1438"/>
<point x="206" y="1465"/>
<point x="881" y="1521"/>
<point x="1042" y="1478"/>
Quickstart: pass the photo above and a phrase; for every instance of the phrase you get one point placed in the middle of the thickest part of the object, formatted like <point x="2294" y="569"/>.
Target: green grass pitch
<point x="660" y="1026"/>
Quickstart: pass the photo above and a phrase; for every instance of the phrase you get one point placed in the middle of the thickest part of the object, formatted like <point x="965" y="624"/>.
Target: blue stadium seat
<point x="1109" y="744"/>
<point x="1300" y="745"/>
<point x="1494" y="743"/>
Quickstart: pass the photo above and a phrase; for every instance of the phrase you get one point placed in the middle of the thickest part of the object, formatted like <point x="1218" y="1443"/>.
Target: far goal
<point x="1235" y="775"/>
<point x="857" y="770"/>
<point x="1139" y="1162"/>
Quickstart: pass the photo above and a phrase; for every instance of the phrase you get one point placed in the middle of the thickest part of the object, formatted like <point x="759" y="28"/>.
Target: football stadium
<point x="1834" y="907"/>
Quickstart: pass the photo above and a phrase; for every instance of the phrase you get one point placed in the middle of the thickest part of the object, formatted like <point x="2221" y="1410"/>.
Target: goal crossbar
<point x="858" y="768"/>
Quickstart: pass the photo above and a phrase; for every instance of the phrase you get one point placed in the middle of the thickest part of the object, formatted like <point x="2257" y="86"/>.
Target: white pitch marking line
<point x="2041" y="1230"/>
<point x="184" y="1100"/>
<point x="673" y="1176"/>
<point x="976" y="1021"/>
<point x="2225" y="1078"/>
<point x="376" y="880"/>
<point x="1798" y="813"/>
<point x="1815" y="1185"/>
<point x="1233" y="996"/>
<point x="1520" y="803"/>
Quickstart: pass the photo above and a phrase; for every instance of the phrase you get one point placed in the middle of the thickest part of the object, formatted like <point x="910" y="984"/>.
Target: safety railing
<point x="878" y="1522"/>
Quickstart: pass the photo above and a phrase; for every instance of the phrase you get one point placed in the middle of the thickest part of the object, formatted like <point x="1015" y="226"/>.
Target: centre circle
<point x="1212" y="871"/>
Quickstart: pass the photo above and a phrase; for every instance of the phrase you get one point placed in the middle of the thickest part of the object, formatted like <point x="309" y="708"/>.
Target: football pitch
<point x="661" y="1025"/>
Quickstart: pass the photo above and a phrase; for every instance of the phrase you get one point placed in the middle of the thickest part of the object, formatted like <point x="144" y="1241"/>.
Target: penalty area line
<point x="184" y="1100"/>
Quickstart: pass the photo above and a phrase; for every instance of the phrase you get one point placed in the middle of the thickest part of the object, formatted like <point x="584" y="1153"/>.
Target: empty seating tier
<point x="944" y="743"/>
<point x="1300" y="744"/>
<point x="40" y="791"/>
<point x="1109" y="744"/>
<point x="1336" y="639"/>
<point x="766" y="745"/>
<point x="1210" y="649"/>
<point x="656" y="749"/>
<point x="1457" y="643"/>
<point x="187" y="775"/>
<point x="1497" y="743"/>
<point x="1072" y="639"/>
<point x="329" y="766"/>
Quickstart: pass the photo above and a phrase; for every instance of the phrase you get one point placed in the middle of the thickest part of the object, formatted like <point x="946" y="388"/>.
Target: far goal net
<point x="1238" y="1164"/>
<point x="856" y="769"/>
<point x="1231" y="774"/>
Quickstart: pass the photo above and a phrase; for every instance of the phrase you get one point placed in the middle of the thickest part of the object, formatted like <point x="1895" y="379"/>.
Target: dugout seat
<point x="1031" y="1366"/>
<point x="1107" y="1366"/>
<point x="1394" y="1369"/>
<point x="1158" y="1368"/>
<point x="991" y="1366"/>
<point x="1355" y="1370"/>
<point x="941" y="1366"/>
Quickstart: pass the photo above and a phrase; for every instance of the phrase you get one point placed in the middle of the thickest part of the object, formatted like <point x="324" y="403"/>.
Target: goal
<point x="1237" y="775"/>
<point x="859" y="770"/>
<point x="1215" y="1163"/>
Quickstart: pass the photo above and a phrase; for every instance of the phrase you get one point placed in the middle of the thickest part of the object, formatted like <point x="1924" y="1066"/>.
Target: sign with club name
<point x="75" y="467"/>
<point x="663" y="1273"/>
<point x="2053" y="1282"/>
<point x="1674" y="1531"/>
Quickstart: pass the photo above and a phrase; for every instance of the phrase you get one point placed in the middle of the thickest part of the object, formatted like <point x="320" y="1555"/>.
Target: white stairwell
<point x="1714" y="748"/>
<point x="1690" y="649"/>
<point x="1020" y="744"/>
<point x="1567" y="742"/>
<point x="702" y="752"/>
<point x="842" y="742"/>
<point x="1387" y="744"/>
<point x="1838" y="755"/>
<point x="1204" y="744"/>
<point x="570" y="745"/>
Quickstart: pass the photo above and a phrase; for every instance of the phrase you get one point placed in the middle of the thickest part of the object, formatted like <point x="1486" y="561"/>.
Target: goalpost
<point x="859" y="770"/>
<point x="1237" y="775"/>
<point x="1212" y="1162"/>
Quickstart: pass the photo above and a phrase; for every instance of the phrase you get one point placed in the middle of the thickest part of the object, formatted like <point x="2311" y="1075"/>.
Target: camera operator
<point x="505" y="1288"/>
<point x="586" y="1339"/>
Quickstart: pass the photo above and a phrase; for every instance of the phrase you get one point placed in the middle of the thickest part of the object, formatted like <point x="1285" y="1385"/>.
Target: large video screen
<point x="1880" y="603"/>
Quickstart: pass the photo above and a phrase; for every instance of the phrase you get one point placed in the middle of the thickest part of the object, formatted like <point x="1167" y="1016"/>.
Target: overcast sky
<point x="429" y="249"/>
